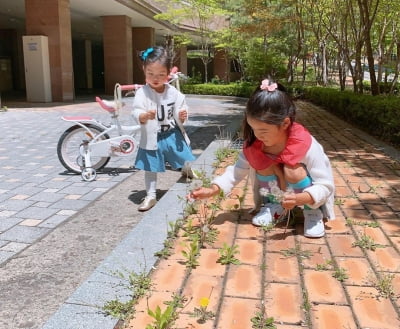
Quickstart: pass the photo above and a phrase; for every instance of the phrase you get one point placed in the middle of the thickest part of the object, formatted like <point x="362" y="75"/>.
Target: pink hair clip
<point x="266" y="86"/>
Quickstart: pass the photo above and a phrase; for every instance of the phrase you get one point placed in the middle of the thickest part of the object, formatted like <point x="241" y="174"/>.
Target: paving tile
<point x="208" y="264"/>
<point x="375" y="233"/>
<point x="319" y="255"/>
<point x="243" y="281"/>
<point x="342" y="245"/>
<point x="358" y="270"/>
<point x="8" y="222"/>
<point x="168" y="276"/>
<point x="236" y="313"/>
<point x="277" y="296"/>
<point x="337" y="226"/>
<point x="385" y="259"/>
<point x="332" y="317"/>
<point x="187" y="321"/>
<point x="343" y="191"/>
<point x="203" y="286"/>
<point x="36" y="213"/>
<point x="393" y="203"/>
<point x="141" y="318"/>
<point x="226" y="234"/>
<point x="5" y="255"/>
<point x="379" y="211"/>
<point x="246" y="230"/>
<point x="281" y="269"/>
<point x="390" y="226"/>
<point x="24" y="234"/>
<point x="305" y="240"/>
<point x="371" y="311"/>
<point x="323" y="288"/>
<point x="357" y="214"/>
<point x="277" y="243"/>
<point x="250" y="251"/>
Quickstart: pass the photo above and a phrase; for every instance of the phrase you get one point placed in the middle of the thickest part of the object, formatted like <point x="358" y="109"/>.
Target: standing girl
<point x="279" y="153"/>
<point x="161" y="110"/>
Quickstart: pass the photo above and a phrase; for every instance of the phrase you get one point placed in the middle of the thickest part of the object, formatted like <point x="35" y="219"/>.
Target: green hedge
<point x="377" y="115"/>
<point x="242" y="89"/>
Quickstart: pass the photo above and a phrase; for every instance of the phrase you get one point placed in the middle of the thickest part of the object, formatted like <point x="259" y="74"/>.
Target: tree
<point x="202" y="17"/>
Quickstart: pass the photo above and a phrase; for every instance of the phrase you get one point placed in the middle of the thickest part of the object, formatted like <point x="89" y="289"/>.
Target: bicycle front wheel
<point x="69" y="144"/>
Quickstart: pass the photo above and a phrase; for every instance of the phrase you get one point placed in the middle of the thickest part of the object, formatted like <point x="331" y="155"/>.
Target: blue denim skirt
<point x="172" y="148"/>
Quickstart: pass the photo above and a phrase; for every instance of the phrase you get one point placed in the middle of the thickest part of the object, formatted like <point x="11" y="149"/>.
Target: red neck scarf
<point x="297" y="145"/>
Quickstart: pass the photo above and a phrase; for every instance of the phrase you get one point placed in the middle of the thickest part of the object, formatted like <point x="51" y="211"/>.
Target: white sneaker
<point x="267" y="214"/>
<point x="313" y="223"/>
<point x="147" y="203"/>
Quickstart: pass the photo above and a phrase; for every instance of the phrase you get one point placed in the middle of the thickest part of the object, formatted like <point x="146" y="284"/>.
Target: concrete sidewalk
<point x="348" y="279"/>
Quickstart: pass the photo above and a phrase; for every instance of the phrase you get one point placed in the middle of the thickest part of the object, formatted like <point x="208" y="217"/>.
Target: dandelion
<point x="201" y="312"/>
<point x="204" y="302"/>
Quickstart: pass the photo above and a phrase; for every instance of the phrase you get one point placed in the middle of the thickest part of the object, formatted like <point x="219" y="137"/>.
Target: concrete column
<point x="117" y="44"/>
<point x="181" y="60"/>
<point x="221" y="65"/>
<point x="52" y="18"/>
<point x="142" y="38"/>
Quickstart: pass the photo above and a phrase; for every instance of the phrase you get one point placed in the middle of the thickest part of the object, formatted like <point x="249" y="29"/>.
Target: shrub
<point x="377" y="115"/>
<point x="241" y="89"/>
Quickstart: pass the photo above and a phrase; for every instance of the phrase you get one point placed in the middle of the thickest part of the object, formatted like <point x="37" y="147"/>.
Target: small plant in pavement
<point x="366" y="242"/>
<point x="227" y="254"/>
<point x="350" y="221"/>
<point x="166" y="319"/>
<point x="201" y="312"/>
<point x="384" y="284"/>
<point x="340" y="274"/>
<point x="191" y="253"/>
<point x="138" y="285"/>
<point x="296" y="251"/>
<point x="324" y="266"/>
<point x="261" y="321"/>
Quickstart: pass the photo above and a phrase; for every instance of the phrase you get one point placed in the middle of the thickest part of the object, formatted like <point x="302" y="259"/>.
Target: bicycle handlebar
<point x="130" y="87"/>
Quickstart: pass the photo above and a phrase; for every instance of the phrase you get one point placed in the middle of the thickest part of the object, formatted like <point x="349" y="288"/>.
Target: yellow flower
<point x="204" y="302"/>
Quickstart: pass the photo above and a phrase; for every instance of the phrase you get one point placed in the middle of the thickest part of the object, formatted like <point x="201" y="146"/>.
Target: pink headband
<point x="269" y="87"/>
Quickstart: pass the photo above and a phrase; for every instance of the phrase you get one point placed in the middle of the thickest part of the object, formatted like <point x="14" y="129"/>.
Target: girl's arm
<point x="320" y="171"/>
<point x="225" y="182"/>
<point x="141" y="112"/>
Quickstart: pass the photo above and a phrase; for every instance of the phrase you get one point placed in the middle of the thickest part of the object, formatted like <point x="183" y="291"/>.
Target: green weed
<point x="227" y="254"/>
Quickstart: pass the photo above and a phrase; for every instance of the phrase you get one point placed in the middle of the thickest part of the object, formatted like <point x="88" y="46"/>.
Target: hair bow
<point x="265" y="85"/>
<point x="146" y="53"/>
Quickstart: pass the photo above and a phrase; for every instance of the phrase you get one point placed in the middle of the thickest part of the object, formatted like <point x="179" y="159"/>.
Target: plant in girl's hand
<point x="276" y="195"/>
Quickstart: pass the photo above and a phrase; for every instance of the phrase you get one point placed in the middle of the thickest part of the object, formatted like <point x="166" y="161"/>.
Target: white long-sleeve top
<point x="168" y="104"/>
<point x="317" y="165"/>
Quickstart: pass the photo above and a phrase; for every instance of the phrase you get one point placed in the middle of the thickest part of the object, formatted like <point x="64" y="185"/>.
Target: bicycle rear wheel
<point x="69" y="144"/>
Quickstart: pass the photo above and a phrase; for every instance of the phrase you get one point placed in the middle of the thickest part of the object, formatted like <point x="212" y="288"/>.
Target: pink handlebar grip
<point x="130" y="87"/>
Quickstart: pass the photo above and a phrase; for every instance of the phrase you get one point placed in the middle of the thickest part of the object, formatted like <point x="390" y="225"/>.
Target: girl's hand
<point x="203" y="192"/>
<point x="149" y="115"/>
<point x="289" y="201"/>
<point x="183" y="115"/>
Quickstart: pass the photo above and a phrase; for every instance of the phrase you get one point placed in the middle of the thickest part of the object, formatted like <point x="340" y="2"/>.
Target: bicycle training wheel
<point x="69" y="144"/>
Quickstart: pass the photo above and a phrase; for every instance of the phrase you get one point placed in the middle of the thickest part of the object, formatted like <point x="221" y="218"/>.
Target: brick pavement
<point x="348" y="279"/>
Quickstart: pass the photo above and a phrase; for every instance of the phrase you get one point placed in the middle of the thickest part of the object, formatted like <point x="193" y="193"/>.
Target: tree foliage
<point x="332" y="41"/>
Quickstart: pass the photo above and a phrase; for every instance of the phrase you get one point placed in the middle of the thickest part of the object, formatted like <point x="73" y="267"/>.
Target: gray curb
<point x="134" y="254"/>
